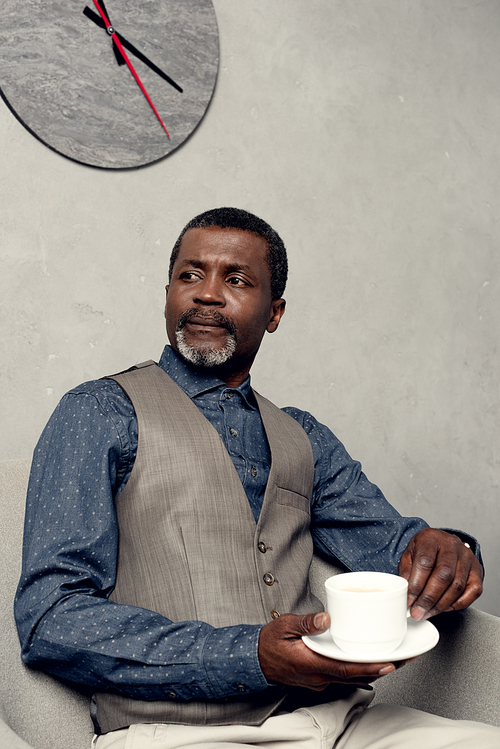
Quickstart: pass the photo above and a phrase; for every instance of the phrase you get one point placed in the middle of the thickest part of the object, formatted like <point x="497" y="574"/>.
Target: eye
<point x="189" y="275"/>
<point x="237" y="281"/>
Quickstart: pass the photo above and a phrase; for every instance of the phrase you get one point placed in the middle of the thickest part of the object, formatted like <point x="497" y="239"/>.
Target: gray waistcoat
<point x="190" y="548"/>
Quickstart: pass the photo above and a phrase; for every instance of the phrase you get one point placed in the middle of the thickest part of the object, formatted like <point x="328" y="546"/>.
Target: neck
<point x="235" y="380"/>
<point x="232" y="372"/>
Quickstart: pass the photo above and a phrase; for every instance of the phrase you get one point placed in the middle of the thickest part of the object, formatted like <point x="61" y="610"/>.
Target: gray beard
<point x="205" y="357"/>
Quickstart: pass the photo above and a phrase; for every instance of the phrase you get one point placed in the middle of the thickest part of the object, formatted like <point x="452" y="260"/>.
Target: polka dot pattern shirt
<point x="66" y="622"/>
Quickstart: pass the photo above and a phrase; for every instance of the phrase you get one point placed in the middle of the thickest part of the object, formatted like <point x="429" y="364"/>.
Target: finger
<point x="465" y="589"/>
<point x="455" y="582"/>
<point x="320" y="623"/>
<point x="319" y="670"/>
<point x="285" y="658"/>
<point x="400" y="664"/>
<point x="345" y="670"/>
<point x="423" y="560"/>
<point x="473" y="589"/>
<point x="456" y="588"/>
<point x="308" y="624"/>
<point x="406" y="561"/>
<point x="358" y="674"/>
<point x="437" y="587"/>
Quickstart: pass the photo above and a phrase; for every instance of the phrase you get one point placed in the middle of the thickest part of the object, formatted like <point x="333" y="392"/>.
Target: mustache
<point x="213" y="315"/>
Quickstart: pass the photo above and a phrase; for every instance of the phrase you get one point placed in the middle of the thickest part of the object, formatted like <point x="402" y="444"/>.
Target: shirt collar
<point x="195" y="382"/>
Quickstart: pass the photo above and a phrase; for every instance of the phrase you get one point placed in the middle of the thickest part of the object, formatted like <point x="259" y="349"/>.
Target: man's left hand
<point x="442" y="572"/>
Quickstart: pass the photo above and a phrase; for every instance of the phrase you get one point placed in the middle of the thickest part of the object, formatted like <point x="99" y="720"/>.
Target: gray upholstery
<point x="44" y="712"/>
<point x="460" y="678"/>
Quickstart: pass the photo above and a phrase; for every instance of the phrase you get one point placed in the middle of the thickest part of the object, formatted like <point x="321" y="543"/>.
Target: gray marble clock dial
<point x="60" y="76"/>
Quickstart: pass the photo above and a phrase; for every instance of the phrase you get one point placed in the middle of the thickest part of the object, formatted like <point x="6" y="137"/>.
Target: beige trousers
<point x="343" y="724"/>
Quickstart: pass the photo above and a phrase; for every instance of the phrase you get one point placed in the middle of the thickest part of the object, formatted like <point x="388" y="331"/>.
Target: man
<point x="170" y="524"/>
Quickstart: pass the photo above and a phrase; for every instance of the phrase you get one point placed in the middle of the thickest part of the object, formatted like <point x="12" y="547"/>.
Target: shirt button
<point x="274" y="614"/>
<point x="262" y="547"/>
<point x="172" y="695"/>
<point x="254" y="471"/>
<point x="228" y="395"/>
<point x="233" y="432"/>
<point x="268" y="579"/>
<point x="241" y="688"/>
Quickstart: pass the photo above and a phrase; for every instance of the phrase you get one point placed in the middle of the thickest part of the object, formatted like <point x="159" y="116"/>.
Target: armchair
<point x="460" y="678"/>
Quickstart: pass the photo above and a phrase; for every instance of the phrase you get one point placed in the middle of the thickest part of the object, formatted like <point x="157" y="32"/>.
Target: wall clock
<point x="107" y="97"/>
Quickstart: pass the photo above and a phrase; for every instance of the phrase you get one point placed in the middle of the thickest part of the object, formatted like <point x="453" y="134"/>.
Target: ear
<point x="277" y="312"/>
<point x="166" y="297"/>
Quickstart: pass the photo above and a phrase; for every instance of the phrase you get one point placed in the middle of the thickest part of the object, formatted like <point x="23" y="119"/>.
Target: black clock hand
<point x="119" y="57"/>
<point x="99" y="22"/>
<point x="112" y="34"/>
<point x="148" y="62"/>
<point x="130" y="47"/>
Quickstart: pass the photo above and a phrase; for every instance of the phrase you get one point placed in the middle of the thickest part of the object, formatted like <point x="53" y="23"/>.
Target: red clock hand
<point x="118" y="43"/>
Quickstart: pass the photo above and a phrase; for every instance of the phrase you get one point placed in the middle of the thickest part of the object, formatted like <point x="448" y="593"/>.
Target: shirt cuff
<point x="231" y="661"/>
<point x="472" y="542"/>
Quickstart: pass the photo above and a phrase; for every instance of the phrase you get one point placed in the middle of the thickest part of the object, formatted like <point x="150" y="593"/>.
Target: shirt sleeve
<point x="351" y="519"/>
<point x="66" y="623"/>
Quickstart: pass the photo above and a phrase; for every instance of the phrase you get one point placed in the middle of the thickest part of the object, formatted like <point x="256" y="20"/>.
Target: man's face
<point x="219" y="301"/>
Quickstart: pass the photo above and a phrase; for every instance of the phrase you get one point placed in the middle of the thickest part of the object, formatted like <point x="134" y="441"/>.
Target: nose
<point x="210" y="291"/>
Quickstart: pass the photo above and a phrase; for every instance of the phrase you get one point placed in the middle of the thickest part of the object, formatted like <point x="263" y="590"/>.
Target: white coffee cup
<point x="368" y="611"/>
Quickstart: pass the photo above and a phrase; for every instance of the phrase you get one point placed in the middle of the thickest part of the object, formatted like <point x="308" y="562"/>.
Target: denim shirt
<point x="67" y="624"/>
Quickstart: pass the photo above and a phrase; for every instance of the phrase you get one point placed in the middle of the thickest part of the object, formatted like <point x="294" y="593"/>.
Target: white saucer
<point x="420" y="637"/>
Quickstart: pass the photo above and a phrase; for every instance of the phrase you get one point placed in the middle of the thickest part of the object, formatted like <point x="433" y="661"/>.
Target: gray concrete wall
<point x="367" y="132"/>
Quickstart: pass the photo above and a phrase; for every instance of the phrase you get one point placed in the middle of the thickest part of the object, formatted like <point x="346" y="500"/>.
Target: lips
<point x="208" y="322"/>
<point x="214" y="320"/>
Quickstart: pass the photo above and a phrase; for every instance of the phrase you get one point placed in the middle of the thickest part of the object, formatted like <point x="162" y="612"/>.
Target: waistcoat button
<point x="275" y="614"/>
<point x="268" y="579"/>
<point x="262" y="547"/>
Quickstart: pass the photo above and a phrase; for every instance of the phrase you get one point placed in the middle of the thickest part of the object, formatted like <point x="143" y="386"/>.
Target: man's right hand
<point x="285" y="659"/>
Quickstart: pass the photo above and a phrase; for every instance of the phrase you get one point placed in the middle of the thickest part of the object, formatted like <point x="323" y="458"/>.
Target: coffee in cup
<point x="368" y="612"/>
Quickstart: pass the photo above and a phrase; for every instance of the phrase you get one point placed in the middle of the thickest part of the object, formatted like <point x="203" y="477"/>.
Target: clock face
<point x="64" y="77"/>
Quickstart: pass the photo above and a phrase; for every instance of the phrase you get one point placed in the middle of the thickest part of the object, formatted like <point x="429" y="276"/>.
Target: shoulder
<point x="327" y="448"/>
<point x="104" y="396"/>
<point x="93" y="417"/>
<point x="304" y="418"/>
<point x="309" y="423"/>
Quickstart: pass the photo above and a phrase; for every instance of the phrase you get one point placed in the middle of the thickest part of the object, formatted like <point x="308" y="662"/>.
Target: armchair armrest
<point x="10" y="740"/>
<point x="459" y="678"/>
